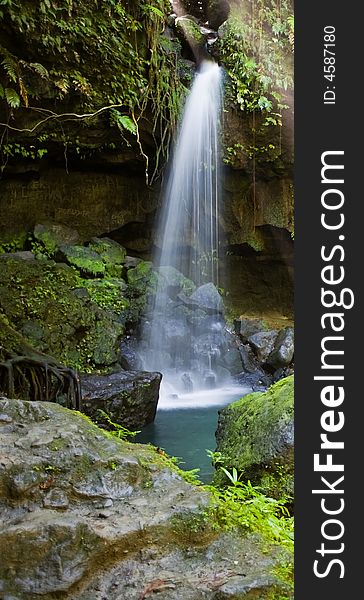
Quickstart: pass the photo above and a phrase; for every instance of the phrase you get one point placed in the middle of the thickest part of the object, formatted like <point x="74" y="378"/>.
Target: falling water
<point x="185" y="335"/>
<point x="190" y="207"/>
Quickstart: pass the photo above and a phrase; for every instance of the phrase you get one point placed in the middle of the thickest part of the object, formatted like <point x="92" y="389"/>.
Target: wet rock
<point x="232" y="361"/>
<point x="169" y="277"/>
<point x="130" y="398"/>
<point x="247" y="327"/>
<point x="255" y="435"/>
<point x="208" y="297"/>
<point x="283" y="351"/>
<point x="263" y="343"/>
<point x="129" y="357"/>
<point x="281" y="373"/>
<point x="175" y="334"/>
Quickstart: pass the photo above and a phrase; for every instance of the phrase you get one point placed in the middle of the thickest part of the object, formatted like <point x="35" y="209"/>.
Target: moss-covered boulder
<point x="255" y="435"/>
<point x="53" y="235"/>
<point x="141" y="277"/>
<point x="112" y="254"/>
<point x="84" y="515"/>
<point x="50" y="306"/>
<point x="88" y="262"/>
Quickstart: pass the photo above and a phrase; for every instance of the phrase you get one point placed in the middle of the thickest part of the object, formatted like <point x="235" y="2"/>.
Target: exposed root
<point x="40" y="379"/>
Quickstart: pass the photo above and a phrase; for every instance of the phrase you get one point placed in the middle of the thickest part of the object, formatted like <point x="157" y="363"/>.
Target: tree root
<point x="39" y="379"/>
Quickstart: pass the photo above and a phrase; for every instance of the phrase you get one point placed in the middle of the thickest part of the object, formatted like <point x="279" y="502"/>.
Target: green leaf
<point x="123" y="122"/>
<point x="38" y="68"/>
<point x="12" y="98"/>
<point x="154" y="10"/>
<point x="10" y="66"/>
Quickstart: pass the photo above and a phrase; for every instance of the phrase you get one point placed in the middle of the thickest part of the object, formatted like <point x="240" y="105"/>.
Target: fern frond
<point x="11" y="68"/>
<point x="12" y="98"/>
<point x="40" y="70"/>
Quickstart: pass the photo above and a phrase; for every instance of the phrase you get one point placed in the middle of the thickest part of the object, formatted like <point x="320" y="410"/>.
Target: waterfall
<point x="190" y="209"/>
<point x="185" y="332"/>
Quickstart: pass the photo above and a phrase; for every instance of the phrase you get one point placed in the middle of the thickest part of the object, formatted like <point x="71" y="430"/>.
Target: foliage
<point x="106" y="293"/>
<point x="242" y="505"/>
<point x="122" y="433"/>
<point x="256" y="49"/>
<point x="89" y="55"/>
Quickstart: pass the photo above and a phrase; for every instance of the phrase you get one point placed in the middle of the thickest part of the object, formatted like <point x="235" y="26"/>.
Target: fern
<point x="40" y="70"/>
<point x="154" y="10"/>
<point x="11" y="68"/>
<point x="12" y="98"/>
<point x="123" y="122"/>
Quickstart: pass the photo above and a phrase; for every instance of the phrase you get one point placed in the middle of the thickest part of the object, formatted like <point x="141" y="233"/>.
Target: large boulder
<point x="263" y="343"/>
<point x="208" y="298"/>
<point x="130" y="398"/>
<point x="87" y="516"/>
<point x="255" y="435"/>
<point x="283" y="351"/>
<point x="53" y="235"/>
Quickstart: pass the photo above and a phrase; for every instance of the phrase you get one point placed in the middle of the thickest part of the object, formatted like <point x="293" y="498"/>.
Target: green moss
<point x="89" y="263"/>
<point x="190" y="31"/>
<point x="112" y="254"/>
<point x="196" y="529"/>
<point x="107" y="294"/>
<point x="142" y="278"/>
<point x="252" y="431"/>
<point x="40" y="300"/>
<point x="14" y="244"/>
<point x="124" y="65"/>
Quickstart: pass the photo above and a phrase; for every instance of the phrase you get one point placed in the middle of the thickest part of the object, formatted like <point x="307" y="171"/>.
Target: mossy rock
<point x="108" y="294"/>
<point x="112" y="254"/>
<point x="255" y="435"/>
<point x="114" y="515"/>
<point x="41" y="300"/>
<point x="191" y="31"/>
<point x="88" y="262"/>
<point x="141" y="278"/>
<point x="171" y="277"/>
<point x="52" y="236"/>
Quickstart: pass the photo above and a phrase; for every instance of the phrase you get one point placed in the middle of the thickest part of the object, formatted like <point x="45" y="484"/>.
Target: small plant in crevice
<point x="243" y="506"/>
<point x="104" y="421"/>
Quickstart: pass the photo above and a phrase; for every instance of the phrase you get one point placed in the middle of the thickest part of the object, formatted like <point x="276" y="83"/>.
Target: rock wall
<point x="94" y="202"/>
